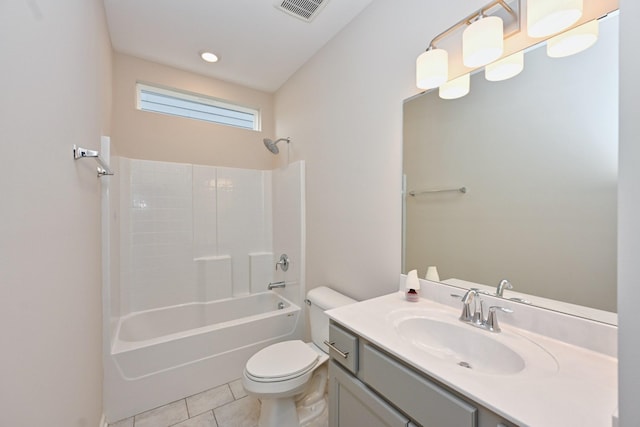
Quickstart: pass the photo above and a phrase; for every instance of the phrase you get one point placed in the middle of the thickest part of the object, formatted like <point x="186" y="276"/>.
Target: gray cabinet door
<point x="352" y="404"/>
<point x="426" y="402"/>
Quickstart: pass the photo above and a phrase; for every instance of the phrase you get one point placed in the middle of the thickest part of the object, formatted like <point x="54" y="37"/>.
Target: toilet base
<point x="280" y="412"/>
<point x="303" y="408"/>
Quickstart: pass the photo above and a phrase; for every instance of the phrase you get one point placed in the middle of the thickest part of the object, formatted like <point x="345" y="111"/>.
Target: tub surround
<point x="193" y="225"/>
<point x="190" y="252"/>
<point x="582" y="392"/>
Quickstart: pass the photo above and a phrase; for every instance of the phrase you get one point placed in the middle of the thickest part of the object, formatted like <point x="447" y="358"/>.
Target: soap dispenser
<point x="412" y="286"/>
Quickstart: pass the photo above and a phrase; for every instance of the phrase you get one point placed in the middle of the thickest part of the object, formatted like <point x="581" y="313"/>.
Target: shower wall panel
<point x="244" y="219"/>
<point x="159" y="235"/>
<point x="187" y="232"/>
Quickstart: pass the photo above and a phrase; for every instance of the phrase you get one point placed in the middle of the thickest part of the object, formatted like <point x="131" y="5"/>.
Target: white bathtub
<point x="165" y="354"/>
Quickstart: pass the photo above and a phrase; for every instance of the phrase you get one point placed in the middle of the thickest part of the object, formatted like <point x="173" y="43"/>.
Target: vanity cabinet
<point x="353" y="404"/>
<point x="369" y="387"/>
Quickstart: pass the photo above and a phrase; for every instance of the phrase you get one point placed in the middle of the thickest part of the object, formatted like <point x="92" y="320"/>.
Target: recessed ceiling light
<point x="209" y="57"/>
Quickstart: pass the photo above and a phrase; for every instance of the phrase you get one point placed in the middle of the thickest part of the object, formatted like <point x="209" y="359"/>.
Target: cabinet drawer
<point x="354" y="404"/>
<point x="343" y="348"/>
<point x="424" y="401"/>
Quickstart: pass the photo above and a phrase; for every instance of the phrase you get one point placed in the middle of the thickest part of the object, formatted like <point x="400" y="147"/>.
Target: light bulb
<point x="209" y="57"/>
<point x="432" y="68"/>
<point x="482" y="42"/>
<point x="573" y="41"/>
<point x="505" y="68"/>
<point x="547" y="17"/>
<point x="456" y="88"/>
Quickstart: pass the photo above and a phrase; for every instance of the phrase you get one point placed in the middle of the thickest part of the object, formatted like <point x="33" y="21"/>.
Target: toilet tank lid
<point x="326" y="298"/>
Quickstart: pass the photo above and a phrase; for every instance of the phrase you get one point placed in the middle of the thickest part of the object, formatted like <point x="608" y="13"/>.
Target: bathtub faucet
<point x="273" y="285"/>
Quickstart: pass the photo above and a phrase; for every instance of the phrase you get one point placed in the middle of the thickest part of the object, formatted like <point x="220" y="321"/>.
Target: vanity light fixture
<point x="209" y="57"/>
<point x="482" y="41"/>
<point x="485" y="31"/>
<point x="573" y="41"/>
<point x="505" y="68"/>
<point x="547" y="17"/>
<point x="456" y="88"/>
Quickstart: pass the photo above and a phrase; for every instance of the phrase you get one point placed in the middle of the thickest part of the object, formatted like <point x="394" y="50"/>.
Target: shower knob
<point x="283" y="263"/>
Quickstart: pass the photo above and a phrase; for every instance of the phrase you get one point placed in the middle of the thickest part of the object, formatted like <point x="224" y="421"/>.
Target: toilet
<point x="279" y="373"/>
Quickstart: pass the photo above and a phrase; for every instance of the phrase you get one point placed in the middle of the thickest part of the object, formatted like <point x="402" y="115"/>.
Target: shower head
<point x="272" y="146"/>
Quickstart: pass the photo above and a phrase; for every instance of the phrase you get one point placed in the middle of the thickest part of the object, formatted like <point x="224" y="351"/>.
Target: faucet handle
<point x="492" y="318"/>
<point x="478" y="315"/>
<point x="494" y="308"/>
<point x="283" y="262"/>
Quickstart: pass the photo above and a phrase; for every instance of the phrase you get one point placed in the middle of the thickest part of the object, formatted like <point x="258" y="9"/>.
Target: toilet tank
<point x="321" y="299"/>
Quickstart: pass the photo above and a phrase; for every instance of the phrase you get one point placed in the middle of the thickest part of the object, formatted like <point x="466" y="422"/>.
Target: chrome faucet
<point x="274" y="285"/>
<point x="504" y="284"/>
<point x="491" y="323"/>
<point x="476" y="318"/>
<point x="467" y="299"/>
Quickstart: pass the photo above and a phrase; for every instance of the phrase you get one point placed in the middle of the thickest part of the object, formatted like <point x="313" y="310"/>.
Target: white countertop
<point x="581" y="393"/>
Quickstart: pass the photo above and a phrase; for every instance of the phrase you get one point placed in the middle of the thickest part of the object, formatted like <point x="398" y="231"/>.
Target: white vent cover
<point x="303" y="9"/>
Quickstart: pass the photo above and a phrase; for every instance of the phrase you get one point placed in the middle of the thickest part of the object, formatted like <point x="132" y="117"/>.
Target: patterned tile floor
<point x="224" y="406"/>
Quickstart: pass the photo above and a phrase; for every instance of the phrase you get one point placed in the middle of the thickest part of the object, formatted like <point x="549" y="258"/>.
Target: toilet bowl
<point x="280" y="372"/>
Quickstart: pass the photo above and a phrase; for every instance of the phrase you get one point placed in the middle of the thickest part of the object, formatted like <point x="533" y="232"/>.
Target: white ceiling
<point x="259" y="46"/>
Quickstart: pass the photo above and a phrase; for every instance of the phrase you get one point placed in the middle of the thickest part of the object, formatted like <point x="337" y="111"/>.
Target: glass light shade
<point x="456" y="88"/>
<point x="546" y="17"/>
<point x="505" y="68"/>
<point x="573" y="41"/>
<point x="432" y="68"/>
<point x="482" y="42"/>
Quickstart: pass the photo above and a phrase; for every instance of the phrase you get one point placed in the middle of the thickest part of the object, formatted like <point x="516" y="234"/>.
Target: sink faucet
<point x="467" y="299"/>
<point x="504" y="284"/>
<point x="476" y="318"/>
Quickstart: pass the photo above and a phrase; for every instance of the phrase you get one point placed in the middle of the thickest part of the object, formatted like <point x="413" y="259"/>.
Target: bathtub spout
<point x="274" y="285"/>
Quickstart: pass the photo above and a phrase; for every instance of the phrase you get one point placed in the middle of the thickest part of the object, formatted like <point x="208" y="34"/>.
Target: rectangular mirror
<point x="538" y="154"/>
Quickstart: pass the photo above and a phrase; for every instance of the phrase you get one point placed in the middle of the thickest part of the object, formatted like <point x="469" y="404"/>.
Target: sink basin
<point x="444" y="337"/>
<point x="462" y="344"/>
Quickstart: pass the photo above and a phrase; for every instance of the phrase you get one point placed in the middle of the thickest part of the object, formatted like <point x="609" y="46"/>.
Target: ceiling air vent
<point x="303" y="9"/>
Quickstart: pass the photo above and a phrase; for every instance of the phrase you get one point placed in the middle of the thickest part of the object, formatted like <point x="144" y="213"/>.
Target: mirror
<point x="538" y="157"/>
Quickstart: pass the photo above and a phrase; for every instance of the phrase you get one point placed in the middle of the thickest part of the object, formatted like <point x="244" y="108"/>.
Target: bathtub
<point x="162" y="355"/>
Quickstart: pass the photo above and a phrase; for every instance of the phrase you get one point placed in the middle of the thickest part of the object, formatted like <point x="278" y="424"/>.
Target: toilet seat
<point x="281" y="362"/>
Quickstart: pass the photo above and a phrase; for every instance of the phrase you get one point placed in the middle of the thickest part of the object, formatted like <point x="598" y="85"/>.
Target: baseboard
<point x="103" y="421"/>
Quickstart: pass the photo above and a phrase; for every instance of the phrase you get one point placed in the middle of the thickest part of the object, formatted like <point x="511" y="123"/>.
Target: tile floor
<point x="225" y="406"/>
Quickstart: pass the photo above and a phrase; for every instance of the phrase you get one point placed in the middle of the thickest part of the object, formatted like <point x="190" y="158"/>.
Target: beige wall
<point x="351" y="139"/>
<point x="152" y="136"/>
<point x="55" y="85"/>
